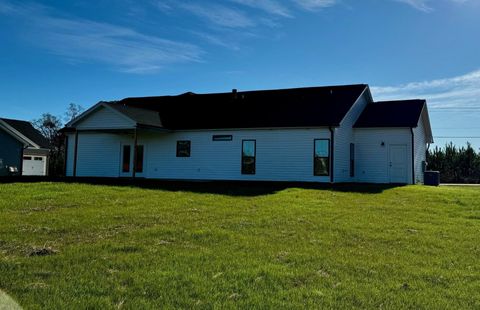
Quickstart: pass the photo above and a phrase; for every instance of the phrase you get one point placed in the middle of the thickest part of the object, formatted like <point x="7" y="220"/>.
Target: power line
<point x="459" y="128"/>
<point x="456" y="137"/>
<point x="455" y="108"/>
<point x="460" y="111"/>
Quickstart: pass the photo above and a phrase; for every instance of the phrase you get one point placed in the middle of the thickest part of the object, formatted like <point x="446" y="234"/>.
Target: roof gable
<point x="401" y="113"/>
<point x="102" y="116"/>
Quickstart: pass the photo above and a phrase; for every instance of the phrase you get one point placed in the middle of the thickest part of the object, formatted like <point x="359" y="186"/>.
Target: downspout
<point x="75" y="155"/>
<point x="332" y="143"/>
<point x="413" y="155"/>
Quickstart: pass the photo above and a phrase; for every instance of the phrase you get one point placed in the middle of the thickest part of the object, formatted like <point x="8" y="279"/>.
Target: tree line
<point x="455" y="164"/>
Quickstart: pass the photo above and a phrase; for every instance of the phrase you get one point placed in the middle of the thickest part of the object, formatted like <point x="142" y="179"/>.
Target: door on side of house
<point x="127" y="160"/>
<point x="34" y="165"/>
<point x="398" y="164"/>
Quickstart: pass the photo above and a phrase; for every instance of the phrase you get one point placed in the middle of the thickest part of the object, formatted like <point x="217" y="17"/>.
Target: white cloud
<point x="163" y="6"/>
<point x="424" y="5"/>
<point x="421" y="5"/>
<point x="312" y="5"/>
<point x="81" y="40"/>
<point x="219" y="15"/>
<point x="217" y="40"/>
<point x="269" y="6"/>
<point x="457" y="92"/>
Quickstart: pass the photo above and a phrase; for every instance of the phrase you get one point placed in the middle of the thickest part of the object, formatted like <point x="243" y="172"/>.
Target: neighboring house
<point x="317" y="134"/>
<point x="23" y="149"/>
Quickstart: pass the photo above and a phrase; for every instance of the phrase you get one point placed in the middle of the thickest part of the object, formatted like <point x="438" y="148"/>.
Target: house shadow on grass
<point x="229" y="188"/>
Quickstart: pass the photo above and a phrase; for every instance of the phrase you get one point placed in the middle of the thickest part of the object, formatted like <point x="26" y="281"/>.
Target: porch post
<point x="134" y="170"/>
<point x="75" y="155"/>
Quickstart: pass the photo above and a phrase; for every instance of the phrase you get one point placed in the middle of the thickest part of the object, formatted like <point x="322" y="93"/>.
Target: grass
<point x="409" y="247"/>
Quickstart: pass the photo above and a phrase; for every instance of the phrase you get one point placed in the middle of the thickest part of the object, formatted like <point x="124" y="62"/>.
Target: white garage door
<point x="34" y="165"/>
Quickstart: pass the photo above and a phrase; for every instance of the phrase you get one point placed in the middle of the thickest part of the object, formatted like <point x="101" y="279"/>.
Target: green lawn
<point x="123" y="247"/>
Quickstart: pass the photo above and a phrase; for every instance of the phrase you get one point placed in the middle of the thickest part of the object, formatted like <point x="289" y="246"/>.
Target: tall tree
<point x="73" y="111"/>
<point x="50" y="125"/>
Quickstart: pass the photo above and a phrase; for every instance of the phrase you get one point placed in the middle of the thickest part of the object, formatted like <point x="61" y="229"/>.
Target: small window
<point x="183" y="148"/>
<point x="352" y="160"/>
<point x="126" y="158"/>
<point x="38" y="158"/>
<point x="222" y="137"/>
<point x="27" y="157"/>
<point x="139" y="158"/>
<point x="321" y="162"/>
<point x="248" y="156"/>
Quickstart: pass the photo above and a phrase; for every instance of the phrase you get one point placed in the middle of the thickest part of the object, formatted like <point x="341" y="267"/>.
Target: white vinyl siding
<point x="99" y="154"/>
<point x="420" y="146"/>
<point x="281" y="155"/>
<point x="105" y="118"/>
<point x="372" y="159"/>
<point x="343" y="137"/>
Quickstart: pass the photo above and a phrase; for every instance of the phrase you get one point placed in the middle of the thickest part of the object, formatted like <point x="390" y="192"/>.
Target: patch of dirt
<point x="43" y="251"/>
<point x="323" y="273"/>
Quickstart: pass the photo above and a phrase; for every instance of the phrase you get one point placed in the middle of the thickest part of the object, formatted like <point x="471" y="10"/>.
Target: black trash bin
<point x="431" y="178"/>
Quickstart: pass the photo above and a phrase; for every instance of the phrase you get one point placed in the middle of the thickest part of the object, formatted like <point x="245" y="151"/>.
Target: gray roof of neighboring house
<point x="26" y="129"/>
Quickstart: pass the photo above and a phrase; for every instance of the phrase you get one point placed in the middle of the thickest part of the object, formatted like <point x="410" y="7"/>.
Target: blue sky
<point x="53" y="52"/>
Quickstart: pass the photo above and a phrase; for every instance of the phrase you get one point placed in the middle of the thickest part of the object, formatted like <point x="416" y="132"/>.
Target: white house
<point x="318" y="134"/>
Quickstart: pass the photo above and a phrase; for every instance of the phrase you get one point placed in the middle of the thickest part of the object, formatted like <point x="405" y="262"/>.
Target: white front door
<point x="34" y="165"/>
<point x="398" y="164"/>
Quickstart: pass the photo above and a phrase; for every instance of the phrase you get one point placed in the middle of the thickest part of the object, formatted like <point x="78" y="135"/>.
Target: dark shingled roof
<point x="298" y="107"/>
<point x="26" y="129"/>
<point x="402" y="113"/>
